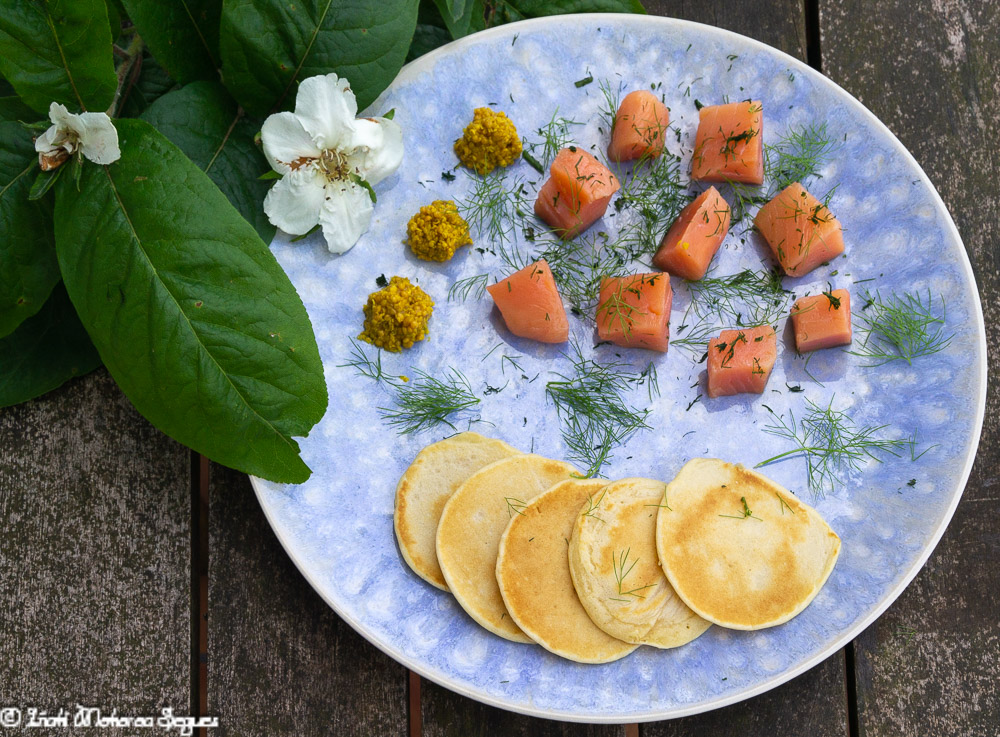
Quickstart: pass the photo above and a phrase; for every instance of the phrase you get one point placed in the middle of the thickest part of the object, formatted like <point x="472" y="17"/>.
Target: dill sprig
<point x="899" y="327"/>
<point x="579" y="266"/>
<point x="427" y="401"/>
<point x="746" y="513"/>
<point x="555" y="136"/>
<point x="747" y="298"/>
<point x="651" y="197"/>
<point x="470" y="286"/>
<point x="608" y="109"/>
<point x="421" y="403"/>
<point x="496" y="206"/>
<point x="593" y="411"/>
<point x="796" y="157"/>
<point x="622" y="567"/>
<point x="831" y="443"/>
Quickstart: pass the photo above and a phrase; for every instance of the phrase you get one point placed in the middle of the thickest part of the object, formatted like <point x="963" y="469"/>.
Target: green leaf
<point x="150" y="85"/>
<point x="191" y="313"/>
<point x="268" y="46"/>
<point x="204" y="121"/>
<point x="182" y="34"/>
<point x="43" y="182"/>
<point x="58" y="50"/>
<point x="427" y="38"/>
<point x="462" y="17"/>
<point x="114" y="19"/>
<point x="45" y="351"/>
<point x="28" y="268"/>
<point x="537" y="8"/>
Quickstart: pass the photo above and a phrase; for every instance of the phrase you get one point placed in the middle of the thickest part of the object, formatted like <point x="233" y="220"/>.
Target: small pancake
<point x="431" y="479"/>
<point x="533" y="574"/>
<point x="472" y="523"/>
<point x="612" y="558"/>
<point x="739" y="549"/>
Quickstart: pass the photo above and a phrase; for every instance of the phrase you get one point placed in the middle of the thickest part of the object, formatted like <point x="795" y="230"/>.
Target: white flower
<point x="324" y="155"/>
<point x="92" y="134"/>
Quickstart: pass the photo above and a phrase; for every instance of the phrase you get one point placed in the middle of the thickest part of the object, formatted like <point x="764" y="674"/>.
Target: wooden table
<point x="136" y="576"/>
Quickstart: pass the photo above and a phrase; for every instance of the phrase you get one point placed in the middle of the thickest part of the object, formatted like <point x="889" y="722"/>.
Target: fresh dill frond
<point x="799" y="155"/>
<point x="746" y="299"/>
<point x="899" y="327"/>
<point x="831" y="443"/>
<point x="651" y="197"/>
<point x="421" y="403"/>
<point x="579" y="266"/>
<point x="593" y="505"/>
<point x="514" y="506"/>
<point x="608" y="110"/>
<point x="692" y="336"/>
<point x="622" y="567"/>
<point x="364" y="365"/>
<point x="496" y="208"/>
<point x="554" y="136"/>
<point x="593" y="410"/>
<point x="427" y="401"/>
<point x="470" y="286"/>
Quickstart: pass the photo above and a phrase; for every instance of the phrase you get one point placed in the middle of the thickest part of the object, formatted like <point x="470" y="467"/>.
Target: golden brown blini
<point x="612" y="557"/>
<point x="435" y="474"/>
<point x="533" y="574"/>
<point x="739" y="549"/>
<point x="473" y="520"/>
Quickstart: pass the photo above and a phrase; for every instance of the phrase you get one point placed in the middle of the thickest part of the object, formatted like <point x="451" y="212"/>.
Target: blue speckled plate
<point x="337" y="527"/>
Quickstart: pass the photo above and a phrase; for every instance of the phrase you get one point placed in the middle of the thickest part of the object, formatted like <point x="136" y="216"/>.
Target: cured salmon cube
<point x="634" y="311"/>
<point x="576" y="194"/>
<point x="530" y="304"/>
<point x="740" y="361"/>
<point x="688" y="247"/>
<point x="822" y="321"/>
<point x="640" y="127"/>
<point x="800" y="230"/>
<point x="729" y="145"/>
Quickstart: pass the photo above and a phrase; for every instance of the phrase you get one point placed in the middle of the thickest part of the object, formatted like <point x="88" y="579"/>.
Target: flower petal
<point x="99" y="141"/>
<point x="346" y="215"/>
<point x="294" y="202"/>
<point x="378" y="148"/>
<point x="286" y="143"/>
<point x="326" y="107"/>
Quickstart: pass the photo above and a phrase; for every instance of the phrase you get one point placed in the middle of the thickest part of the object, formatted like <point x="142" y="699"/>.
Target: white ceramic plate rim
<point x="424" y="62"/>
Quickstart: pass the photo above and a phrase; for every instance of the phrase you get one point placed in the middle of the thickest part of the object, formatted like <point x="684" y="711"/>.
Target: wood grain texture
<point x="280" y="662"/>
<point x="931" y="664"/>
<point x="95" y="599"/>
<point x="447" y="714"/>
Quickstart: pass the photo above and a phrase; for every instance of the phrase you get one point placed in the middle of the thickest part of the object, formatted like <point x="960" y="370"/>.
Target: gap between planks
<point x="199" y="588"/>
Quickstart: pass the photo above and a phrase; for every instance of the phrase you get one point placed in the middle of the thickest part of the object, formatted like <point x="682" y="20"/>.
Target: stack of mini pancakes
<point x="590" y="569"/>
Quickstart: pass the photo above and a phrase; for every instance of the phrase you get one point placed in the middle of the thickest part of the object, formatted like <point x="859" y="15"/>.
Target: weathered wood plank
<point x="447" y="714"/>
<point x="930" y="665"/>
<point x="95" y="600"/>
<point x="279" y="660"/>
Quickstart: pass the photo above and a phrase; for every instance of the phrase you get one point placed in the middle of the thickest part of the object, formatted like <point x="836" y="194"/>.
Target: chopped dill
<point x="899" y="327"/>
<point x="584" y="82"/>
<point x="746" y="513"/>
<point x="653" y="196"/>
<point x="381" y="282"/>
<point x="593" y="411"/>
<point x="470" y="286"/>
<point x="831" y="443"/>
<point x="535" y="163"/>
<point x="622" y="568"/>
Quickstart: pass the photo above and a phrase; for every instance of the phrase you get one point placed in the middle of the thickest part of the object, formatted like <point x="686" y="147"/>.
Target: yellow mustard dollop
<point x="396" y="316"/>
<point x="489" y="141"/>
<point x="437" y="231"/>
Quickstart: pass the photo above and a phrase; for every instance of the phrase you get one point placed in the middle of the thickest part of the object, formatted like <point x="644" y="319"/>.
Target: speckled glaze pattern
<point x="338" y="525"/>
